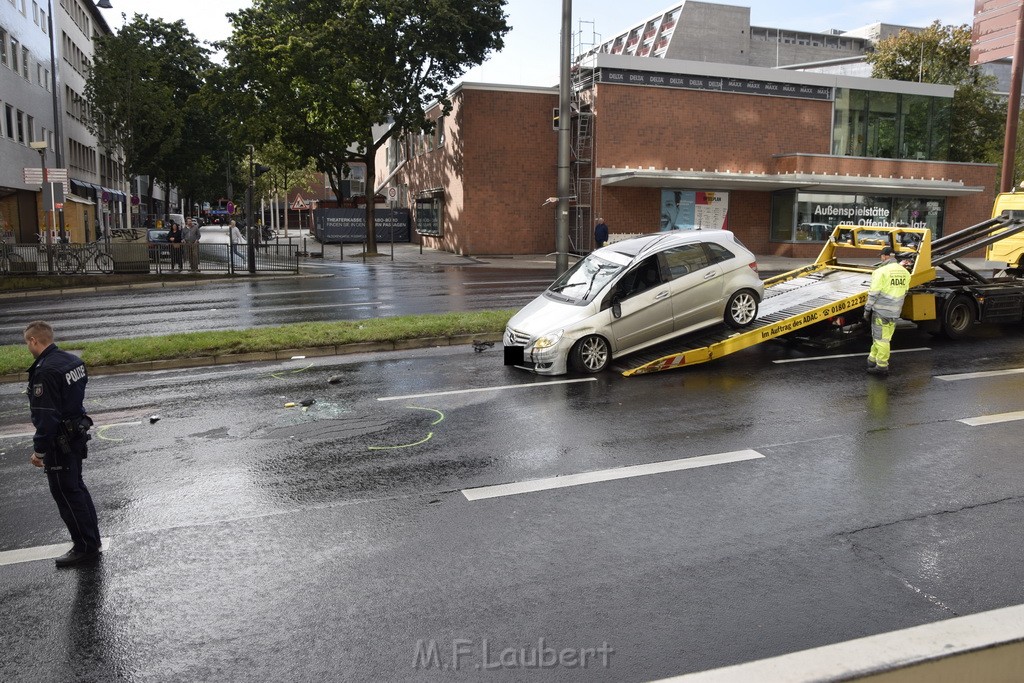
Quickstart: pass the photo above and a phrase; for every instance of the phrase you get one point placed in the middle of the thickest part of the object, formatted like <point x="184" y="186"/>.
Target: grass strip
<point x="16" y="358"/>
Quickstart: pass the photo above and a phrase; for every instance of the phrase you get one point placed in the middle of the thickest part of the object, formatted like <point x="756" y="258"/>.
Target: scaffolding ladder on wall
<point x="581" y="234"/>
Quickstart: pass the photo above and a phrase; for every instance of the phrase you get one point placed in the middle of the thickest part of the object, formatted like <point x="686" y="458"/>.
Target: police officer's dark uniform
<point x="56" y="389"/>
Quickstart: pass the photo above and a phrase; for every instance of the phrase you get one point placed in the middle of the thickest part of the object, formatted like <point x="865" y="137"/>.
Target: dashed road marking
<point x="41" y="552"/>
<point x="846" y="355"/>
<point x="993" y="419"/>
<point x="516" y="488"/>
<point x="980" y="375"/>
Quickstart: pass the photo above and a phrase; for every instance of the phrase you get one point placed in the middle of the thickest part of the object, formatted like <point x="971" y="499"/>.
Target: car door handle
<point x="710" y="275"/>
<point x="661" y="295"/>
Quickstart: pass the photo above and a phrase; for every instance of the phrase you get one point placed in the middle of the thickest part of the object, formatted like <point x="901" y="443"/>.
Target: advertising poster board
<point x="334" y="226"/>
<point x="694" y="210"/>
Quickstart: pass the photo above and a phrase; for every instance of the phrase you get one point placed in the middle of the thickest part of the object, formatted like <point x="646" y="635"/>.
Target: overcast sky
<point x="530" y="56"/>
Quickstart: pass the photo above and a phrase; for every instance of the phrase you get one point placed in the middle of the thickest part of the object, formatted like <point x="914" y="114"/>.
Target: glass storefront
<point x="811" y="216"/>
<point x="887" y="125"/>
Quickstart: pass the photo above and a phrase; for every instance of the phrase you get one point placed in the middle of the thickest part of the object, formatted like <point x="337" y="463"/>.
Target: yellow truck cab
<point x="1010" y="250"/>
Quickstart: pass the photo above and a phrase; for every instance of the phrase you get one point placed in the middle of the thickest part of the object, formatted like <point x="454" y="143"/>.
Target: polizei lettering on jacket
<point x="75" y="375"/>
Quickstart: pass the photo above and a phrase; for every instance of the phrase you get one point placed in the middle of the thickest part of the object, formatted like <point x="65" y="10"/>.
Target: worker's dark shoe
<point x="75" y="557"/>
<point x="879" y="371"/>
<point x="871" y="362"/>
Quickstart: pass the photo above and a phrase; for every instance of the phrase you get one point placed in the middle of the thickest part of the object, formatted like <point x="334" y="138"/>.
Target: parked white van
<point x="634" y="294"/>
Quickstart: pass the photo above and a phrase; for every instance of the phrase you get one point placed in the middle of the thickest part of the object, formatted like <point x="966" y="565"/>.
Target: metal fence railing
<point x="143" y="258"/>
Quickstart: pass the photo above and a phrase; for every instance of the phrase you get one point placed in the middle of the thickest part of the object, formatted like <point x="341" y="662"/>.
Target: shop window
<point x="881" y="141"/>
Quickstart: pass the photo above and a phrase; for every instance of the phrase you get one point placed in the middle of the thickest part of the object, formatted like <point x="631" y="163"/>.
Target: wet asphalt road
<point x="342" y="291"/>
<point x="255" y="542"/>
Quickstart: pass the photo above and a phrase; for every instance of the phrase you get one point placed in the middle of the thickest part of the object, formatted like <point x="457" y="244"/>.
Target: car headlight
<point x="548" y="340"/>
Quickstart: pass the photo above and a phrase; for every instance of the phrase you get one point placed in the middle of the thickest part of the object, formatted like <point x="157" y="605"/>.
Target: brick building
<point x="776" y="156"/>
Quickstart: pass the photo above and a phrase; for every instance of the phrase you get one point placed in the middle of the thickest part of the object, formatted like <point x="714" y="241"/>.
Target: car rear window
<point x="718" y="252"/>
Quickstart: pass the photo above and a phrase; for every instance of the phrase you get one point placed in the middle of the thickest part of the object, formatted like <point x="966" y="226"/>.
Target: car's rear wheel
<point x="591" y="354"/>
<point x="741" y="310"/>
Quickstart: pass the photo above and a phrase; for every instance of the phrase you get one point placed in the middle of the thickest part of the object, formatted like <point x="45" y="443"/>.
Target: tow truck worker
<point x="889" y="285"/>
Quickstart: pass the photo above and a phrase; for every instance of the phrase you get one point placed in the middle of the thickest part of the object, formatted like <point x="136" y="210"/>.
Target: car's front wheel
<point x="591" y="354"/>
<point x="741" y="310"/>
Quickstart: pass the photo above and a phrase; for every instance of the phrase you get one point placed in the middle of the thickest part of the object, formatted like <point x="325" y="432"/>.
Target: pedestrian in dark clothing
<point x="600" y="233"/>
<point x="175" y="236"/>
<point x="56" y="390"/>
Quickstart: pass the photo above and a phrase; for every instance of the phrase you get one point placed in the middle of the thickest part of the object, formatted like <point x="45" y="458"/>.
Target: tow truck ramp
<point x="798" y="299"/>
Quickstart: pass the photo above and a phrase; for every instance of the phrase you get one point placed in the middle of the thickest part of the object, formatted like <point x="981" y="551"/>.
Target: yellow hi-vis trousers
<point x="881" y="335"/>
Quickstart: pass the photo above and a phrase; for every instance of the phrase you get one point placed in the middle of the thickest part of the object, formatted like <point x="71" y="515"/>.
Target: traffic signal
<point x="554" y="118"/>
<point x="260" y="170"/>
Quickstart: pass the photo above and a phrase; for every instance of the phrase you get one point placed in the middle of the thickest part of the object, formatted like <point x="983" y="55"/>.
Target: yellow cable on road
<point x="440" y="417"/>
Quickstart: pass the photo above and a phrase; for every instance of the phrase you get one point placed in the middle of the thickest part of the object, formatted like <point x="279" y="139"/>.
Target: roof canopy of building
<point x="808" y="182"/>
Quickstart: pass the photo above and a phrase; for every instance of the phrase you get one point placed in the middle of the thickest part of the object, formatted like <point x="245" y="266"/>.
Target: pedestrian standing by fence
<point x="56" y="391"/>
<point x="190" y="236"/>
<point x="175" y="237"/>
<point x="889" y="285"/>
<point x="235" y="236"/>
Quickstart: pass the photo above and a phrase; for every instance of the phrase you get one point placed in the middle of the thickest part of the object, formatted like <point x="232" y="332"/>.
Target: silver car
<point x="634" y="294"/>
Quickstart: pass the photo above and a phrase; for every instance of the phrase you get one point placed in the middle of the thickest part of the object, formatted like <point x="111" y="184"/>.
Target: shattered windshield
<point x="584" y="281"/>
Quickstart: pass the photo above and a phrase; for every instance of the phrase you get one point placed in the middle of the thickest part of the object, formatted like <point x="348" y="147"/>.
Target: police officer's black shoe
<point x="879" y="370"/>
<point x="75" y="557"/>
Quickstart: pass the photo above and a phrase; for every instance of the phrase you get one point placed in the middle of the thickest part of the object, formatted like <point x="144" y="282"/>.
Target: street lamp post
<point x="40" y="146"/>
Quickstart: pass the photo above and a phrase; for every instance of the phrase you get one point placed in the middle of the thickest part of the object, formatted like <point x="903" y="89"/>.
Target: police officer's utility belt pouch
<point x="73" y="431"/>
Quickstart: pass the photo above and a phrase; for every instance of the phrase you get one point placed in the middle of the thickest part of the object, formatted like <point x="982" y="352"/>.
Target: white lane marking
<point x="41" y="552"/>
<point x="518" y="487"/>
<point x="112" y="424"/>
<point x="307" y="291"/>
<point x="847" y="355"/>
<point x="494" y="388"/>
<point x="993" y="419"/>
<point x="979" y="375"/>
<point x="188" y="378"/>
<point x="507" y="282"/>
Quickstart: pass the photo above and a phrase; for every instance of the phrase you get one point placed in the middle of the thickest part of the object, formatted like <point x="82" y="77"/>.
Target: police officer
<point x="889" y="285"/>
<point x="56" y="389"/>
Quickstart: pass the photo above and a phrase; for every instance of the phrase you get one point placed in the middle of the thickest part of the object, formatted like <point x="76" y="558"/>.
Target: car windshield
<point x="581" y="283"/>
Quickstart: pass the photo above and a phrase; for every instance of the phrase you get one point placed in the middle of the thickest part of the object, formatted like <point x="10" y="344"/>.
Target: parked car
<point x="158" y="246"/>
<point x="634" y="294"/>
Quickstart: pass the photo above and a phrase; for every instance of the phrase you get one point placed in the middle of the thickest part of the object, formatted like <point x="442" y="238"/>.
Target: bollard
<point x="364" y="251"/>
<point x="341" y="251"/>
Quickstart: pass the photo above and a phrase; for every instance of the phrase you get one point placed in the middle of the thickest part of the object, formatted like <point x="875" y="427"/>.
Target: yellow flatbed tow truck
<point x="823" y="294"/>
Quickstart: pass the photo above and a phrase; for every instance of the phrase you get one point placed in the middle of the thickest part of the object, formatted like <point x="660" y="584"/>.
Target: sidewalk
<point x="412" y="254"/>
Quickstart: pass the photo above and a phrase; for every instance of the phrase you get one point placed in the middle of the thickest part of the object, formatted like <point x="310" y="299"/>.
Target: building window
<point x="21" y="127"/>
<point x="3" y="47"/>
<point x="31" y="126"/>
<point x="817" y="214"/>
<point x="14" y="54"/>
<point x="9" y="120"/>
<point x="890" y="125"/>
<point x="24" y="62"/>
<point x="440" y="132"/>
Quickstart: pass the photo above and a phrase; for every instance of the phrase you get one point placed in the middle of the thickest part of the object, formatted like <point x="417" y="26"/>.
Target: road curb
<point x="282" y="354"/>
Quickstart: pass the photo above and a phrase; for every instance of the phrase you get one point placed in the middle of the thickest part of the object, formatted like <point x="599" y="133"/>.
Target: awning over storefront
<point x="763" y="182"/>
<point x="95" y="192"/>
<point x="79" y="200"/>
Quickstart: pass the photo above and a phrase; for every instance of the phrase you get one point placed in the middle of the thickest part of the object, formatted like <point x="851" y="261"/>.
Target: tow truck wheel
<point x="741" y="309"/>
<point x="591" y="354"/>
<point x="957" y="317"/>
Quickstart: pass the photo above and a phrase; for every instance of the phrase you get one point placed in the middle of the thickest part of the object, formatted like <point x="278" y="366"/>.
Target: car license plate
<point x="514" y="355"/>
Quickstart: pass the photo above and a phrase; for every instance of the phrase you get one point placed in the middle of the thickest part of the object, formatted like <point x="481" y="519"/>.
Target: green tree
<point x="140" y="90"/>
<point x="329" y="71"/>
<point x="941" y="54"/>
<point x="287" y="170"/>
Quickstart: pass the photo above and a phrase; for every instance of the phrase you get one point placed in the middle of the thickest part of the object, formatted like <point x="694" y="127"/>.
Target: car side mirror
<point x="616" y="308"/>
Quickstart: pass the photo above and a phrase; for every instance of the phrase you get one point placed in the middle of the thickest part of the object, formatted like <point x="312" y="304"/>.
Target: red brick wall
<point x="668" y="129"/>
<point x="499" y="163"/>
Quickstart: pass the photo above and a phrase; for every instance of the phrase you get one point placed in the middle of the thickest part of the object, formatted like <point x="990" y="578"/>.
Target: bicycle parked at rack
<point x="69" y="259"/>
<point x="7" y="256"/>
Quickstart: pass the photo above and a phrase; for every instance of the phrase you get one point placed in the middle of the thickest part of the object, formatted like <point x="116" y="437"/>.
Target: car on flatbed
<point x="633" y="294"/>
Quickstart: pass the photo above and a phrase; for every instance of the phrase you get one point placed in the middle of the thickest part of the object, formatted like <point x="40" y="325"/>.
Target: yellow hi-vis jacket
<point x="889" y="285"/>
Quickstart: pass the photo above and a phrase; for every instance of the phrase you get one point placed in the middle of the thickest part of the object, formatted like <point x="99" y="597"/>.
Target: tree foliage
<point x="142" y="90"/>
<point x="324" y="73"/>
<point x="941" y="54"/>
